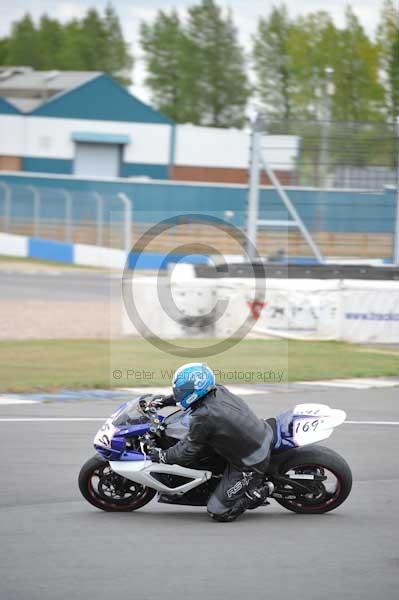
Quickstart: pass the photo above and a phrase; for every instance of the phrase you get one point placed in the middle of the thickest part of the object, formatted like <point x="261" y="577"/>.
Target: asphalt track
<point x="53" y="545"/>
<point x="58" y="285"/>
<point x="62" y="284"/>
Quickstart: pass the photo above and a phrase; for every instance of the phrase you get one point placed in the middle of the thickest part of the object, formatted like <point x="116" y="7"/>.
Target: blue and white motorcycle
<point x="304" y="476"/>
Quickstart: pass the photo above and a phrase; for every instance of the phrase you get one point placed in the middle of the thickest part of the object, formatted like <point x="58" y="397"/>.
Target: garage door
<point x="97" y="159"/>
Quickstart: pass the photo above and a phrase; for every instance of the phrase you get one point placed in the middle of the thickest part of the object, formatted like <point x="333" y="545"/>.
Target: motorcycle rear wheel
<point x="322" y="461"/>
<point x="108" y="491"/>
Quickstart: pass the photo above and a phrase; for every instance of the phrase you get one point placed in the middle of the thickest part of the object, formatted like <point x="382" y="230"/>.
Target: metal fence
<point x="325" y="189"/>
<point x="327" y="156"/>
<point x="334" y="154"/>
<point x="74" y="216"/>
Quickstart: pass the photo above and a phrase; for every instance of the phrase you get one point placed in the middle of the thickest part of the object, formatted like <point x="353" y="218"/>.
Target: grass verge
<point x="74" y="364"/>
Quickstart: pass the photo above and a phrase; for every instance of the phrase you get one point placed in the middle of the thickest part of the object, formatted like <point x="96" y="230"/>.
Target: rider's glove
<point x="156" y="455"/>
<point x="161" y="401"/>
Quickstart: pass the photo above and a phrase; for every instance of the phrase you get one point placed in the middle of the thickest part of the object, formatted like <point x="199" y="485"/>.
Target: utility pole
<point x="323" y="168"/>
<point x="328" y="93"/>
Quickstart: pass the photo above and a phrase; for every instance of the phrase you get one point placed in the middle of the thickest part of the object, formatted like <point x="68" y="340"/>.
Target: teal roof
<point x="100" y="99"/>
<point x="8" y="109"/>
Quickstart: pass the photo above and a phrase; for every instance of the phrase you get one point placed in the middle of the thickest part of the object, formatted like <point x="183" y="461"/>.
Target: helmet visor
<point x="183" y="391"/>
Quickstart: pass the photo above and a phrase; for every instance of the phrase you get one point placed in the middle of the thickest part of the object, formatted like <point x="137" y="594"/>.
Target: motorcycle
<point x="303" y="476"/>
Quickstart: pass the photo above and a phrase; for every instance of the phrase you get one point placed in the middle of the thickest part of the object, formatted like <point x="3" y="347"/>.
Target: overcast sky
<point x="133" y="12"/>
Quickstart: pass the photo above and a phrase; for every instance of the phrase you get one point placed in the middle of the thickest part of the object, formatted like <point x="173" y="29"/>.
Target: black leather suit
<point x="224" y="422"/>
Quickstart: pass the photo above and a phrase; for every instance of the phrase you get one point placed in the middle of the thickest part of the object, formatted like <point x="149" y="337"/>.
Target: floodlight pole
<point x="325" y="126"/>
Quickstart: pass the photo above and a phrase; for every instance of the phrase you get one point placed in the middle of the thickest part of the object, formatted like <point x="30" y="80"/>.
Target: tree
<point x="70" y="54"/>
<point x="291" y="58"/>
<point x="196" y="72"/>
<point x="387" y="38"/>
<point x="169" y="76"/>
<point x="50" y="39"/>
<point x="23" y="44"/>
<point x="359" y="94"/>
<point x="218" y="58"/>
<point x="273" y="63"/>
<point x="3" y="50"/>
<point x="393" y="78"/>
<point x="118" y="60"/>
<point x="94" y="43"/>
<point x="312" y="45"/>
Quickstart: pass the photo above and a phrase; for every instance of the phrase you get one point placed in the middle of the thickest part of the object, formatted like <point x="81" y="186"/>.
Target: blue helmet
<point x="191" y="382"/>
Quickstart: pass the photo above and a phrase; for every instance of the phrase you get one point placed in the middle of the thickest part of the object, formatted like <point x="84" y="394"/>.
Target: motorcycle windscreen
<point x="129" y="413"/>
<point x="314" y="422"/>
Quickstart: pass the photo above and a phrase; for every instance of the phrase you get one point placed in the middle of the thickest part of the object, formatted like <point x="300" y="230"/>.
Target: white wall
<point x="229" y="148"/>
<point x="11" y="135"/>
<point x="45" y="137"/>
<point x="51" y="137"/>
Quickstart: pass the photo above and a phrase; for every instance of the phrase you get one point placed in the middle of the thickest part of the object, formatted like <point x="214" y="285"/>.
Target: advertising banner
<point x="353" y="311"/>
<point x="370" y="312"/>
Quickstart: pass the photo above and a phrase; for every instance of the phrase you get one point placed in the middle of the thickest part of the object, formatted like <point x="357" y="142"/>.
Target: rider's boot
<point x="231" y="515"/>
<point x="258" y="496"/>
<point x="253" y="499"/>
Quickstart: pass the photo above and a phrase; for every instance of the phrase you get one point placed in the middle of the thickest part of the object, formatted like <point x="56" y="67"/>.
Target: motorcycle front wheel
<point x="313" y="481"/>
<point x="107" y="490"/>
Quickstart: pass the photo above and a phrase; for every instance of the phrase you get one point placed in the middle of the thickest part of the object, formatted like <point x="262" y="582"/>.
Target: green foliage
<point x="3" y="50"/>
<point x="359" y="94"/>
<point x="393" y="74"/>
<point x="388" y="43"/>
<point x="273" y="63"/>
<point x="196" y="71"/>
<point x="309" y="72"/>
<point x="168" y="57"/>
<point x="94" y="43"/>
<point x="50" y="40"/>
<point x="219" y="66"/>
<point x="23" y="44"/>
<point x="118" y="61"/>
<point x="291" y="57"/>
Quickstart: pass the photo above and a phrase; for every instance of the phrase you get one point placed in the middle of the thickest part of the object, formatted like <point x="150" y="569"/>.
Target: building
<point x="81" y="123"/>
<point x="222" y="155"/>
<point x="86" y="124"/>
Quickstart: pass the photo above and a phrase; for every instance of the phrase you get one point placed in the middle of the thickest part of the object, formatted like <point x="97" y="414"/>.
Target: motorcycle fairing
<point x="306" y="424"/>
<point x="110" y="441"/>
<point x="143" y="472"/>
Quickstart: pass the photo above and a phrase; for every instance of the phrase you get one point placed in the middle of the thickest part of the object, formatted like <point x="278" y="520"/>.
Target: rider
<point x="223" y="422"/>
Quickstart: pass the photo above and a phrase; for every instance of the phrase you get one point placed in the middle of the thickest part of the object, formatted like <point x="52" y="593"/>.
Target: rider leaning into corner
<point x="223" y="422"/>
